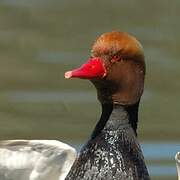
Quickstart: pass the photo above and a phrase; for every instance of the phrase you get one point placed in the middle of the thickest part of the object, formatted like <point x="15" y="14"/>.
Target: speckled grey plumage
<point x="114" y="154"/>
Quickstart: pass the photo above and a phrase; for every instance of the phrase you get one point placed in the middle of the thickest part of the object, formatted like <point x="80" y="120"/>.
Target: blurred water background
<point x="41" y="39"/>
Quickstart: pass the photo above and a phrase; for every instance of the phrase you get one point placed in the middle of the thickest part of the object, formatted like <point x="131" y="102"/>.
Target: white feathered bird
<point x="177" y="158"/>
<point x="35" y="159"/>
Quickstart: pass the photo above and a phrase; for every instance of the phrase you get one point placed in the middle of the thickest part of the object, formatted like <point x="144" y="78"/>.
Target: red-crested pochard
<point x="117" y="69"/>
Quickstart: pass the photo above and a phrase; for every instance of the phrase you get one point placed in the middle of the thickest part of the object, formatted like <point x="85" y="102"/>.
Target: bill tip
<point x="68" y="74"/>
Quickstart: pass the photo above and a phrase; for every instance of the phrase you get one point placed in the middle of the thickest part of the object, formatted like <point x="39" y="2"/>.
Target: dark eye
<point x="115" y="58"/>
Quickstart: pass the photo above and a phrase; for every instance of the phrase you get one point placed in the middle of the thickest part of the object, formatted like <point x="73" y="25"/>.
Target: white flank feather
<point x="35" y="160"/>
<point x="177" y="158"/>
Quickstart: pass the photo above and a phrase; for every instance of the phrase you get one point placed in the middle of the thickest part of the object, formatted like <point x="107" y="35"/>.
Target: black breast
<point x="112" y="155"/>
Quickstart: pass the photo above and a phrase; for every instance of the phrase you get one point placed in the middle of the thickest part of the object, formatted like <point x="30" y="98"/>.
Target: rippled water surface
<point x="41" y="39"/>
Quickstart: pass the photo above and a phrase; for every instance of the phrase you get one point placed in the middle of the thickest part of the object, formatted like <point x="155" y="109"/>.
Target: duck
<point x="116" y="68"/>
<point x="35" y="159"/>
<point x="177" y="158"/>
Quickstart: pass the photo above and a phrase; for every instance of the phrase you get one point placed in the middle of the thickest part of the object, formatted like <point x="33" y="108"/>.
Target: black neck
<point x="133" y="115"/>
<point x="114" y="117"/>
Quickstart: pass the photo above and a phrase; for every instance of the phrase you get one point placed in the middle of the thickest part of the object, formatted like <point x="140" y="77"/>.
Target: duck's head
<point x="116" y="68"/>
